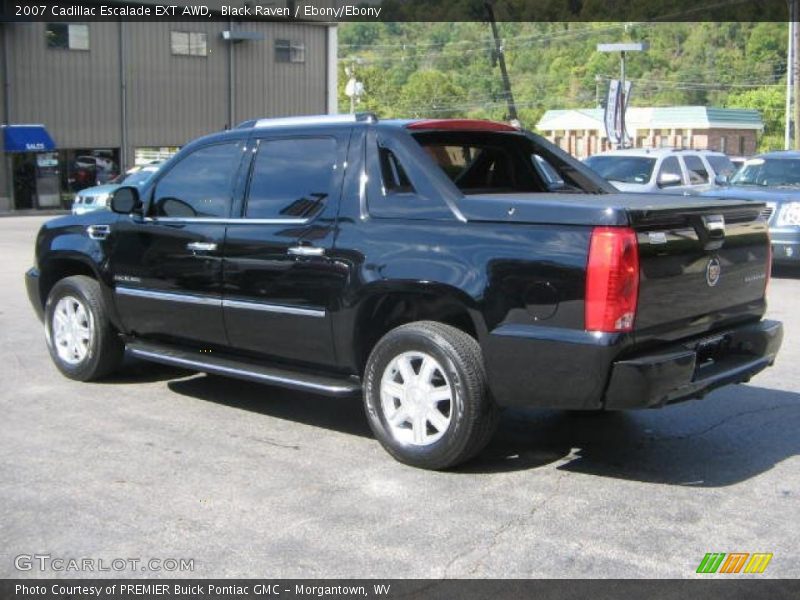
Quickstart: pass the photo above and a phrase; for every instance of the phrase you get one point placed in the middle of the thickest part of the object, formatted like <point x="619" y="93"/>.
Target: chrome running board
<point x="233" y="367"/>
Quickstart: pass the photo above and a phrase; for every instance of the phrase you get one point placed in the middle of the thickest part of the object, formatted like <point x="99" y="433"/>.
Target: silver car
<point x="96" y="198"/>
<point x="664" y="170"/>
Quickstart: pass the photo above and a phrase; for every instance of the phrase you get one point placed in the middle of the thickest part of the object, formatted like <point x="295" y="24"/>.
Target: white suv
<point x="665" y="170"/>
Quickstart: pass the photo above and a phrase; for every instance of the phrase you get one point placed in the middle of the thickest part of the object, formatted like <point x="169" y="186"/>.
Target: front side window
<point x="189" y="43"/>
<point x="670" y="170"/>
<point x="721" y="164"/>
<point x="697" y="170"/>
<point x="67" y="36"/>
<point x="200" y="185"/>
<point x="291" y="178"/>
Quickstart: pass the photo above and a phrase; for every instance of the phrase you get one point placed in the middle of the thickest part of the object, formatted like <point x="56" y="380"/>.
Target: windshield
<point x="625" y="169"/>
<point x="769" y="172"/>
<point x="137" y="178"/>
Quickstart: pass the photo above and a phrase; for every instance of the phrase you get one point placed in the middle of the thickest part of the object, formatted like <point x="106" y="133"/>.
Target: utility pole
<point x="597" y="80"/>
<point x="787" y="127"/>
<point x="501" y="59"/>
<point x="354" y="88"/>
<point x="794" y="13"/>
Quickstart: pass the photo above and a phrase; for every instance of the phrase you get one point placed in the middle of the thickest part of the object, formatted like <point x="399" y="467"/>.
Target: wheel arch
<point x="383" y="308"/>
<point x="58" y="266"/>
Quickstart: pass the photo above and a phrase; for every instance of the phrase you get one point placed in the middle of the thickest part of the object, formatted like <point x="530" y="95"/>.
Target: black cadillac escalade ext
<point x="444" y="268"/>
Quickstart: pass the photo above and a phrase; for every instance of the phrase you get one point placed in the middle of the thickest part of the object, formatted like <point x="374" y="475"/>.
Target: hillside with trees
<point x="449" y="69"/>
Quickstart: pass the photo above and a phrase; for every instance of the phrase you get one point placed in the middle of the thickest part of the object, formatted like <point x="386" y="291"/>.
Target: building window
<point x="87" y="167"/>
<point x="289" y="51"/>
<point x="186" y="43"/>
<point x="67" y="36"/>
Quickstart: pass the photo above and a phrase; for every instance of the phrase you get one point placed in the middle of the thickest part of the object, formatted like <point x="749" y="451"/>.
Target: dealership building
<point x="83" y="101"/>
<point x="581" y="131"/>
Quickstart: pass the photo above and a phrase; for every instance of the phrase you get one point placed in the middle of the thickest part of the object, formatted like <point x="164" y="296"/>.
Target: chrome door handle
<point x="306" y="251"/>
<point x="201" y="246"/>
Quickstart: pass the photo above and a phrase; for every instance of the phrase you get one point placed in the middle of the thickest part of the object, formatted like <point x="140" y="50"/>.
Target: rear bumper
<point x="693" y="369"/>
<point x="32" y="287"/>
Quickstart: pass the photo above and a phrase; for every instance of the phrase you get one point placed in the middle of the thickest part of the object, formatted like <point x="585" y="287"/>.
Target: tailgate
<point x="700" y="268"/>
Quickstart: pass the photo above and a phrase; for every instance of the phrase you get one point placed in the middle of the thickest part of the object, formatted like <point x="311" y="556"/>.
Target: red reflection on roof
<point x="461" y="125"/>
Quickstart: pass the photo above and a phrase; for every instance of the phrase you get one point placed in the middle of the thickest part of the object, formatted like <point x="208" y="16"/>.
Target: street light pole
<point x="622" y="48"/>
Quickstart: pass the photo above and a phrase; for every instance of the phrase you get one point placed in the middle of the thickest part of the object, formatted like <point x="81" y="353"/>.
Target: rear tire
<point x="426" y="395"/>
<point x="82" y="342"/>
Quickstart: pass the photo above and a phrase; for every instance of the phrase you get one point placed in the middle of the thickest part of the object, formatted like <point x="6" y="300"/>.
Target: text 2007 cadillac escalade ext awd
<point x="444" y="268"/>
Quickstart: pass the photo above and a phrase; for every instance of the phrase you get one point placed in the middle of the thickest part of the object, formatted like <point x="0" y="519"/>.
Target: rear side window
<point x="200" y="185"/>
<point x="697" y="170"/>
<point x="395" y="180"/>
<point x="623" y="169"/>
<point x="291" y="178"/>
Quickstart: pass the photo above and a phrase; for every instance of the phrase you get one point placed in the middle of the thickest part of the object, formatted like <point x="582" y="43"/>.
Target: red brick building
<point x="731" y="130"/>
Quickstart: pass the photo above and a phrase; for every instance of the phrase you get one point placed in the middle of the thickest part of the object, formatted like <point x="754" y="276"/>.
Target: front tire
<point x="426" y="395"/>
<point x="82" y="342"/>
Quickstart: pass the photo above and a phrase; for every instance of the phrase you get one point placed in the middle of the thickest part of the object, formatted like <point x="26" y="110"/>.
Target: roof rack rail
<point x="309" y="120"/>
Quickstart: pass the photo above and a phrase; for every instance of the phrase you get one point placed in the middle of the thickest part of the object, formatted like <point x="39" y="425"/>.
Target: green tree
<point x="770" y="102"/>
<point x="432" y="93"/>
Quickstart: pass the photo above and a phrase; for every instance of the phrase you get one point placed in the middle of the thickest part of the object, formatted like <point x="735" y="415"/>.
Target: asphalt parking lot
<point x="248" y="480"/>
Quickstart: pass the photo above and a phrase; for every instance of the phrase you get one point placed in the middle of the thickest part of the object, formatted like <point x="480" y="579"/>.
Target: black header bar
<point x="338" y="11"/>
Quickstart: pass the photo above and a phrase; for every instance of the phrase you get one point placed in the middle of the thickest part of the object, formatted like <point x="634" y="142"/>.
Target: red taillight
<point x="612" y="280"/>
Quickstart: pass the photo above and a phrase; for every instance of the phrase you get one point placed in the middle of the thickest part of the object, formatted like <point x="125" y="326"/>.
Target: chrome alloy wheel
<point x="72" y="330"/>
<point x="416" y="398"/>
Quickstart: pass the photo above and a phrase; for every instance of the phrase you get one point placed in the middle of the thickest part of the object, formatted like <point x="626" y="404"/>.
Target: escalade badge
<point x="713" y="270"/>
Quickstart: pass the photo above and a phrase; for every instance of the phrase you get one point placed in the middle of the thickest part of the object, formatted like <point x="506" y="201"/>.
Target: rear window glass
<point x="475" y="167"/>
<point x="623" y="169"/>
<point x="489" y="162"/>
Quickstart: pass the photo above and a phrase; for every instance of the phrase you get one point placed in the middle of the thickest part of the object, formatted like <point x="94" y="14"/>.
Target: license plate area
<point x="711" y="350"/>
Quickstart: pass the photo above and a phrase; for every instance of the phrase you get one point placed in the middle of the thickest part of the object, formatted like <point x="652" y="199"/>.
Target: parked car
<point x="738" y="161"/>
<point x="664" y="170"/>
<point x="424" y="264"/>
<point x="773" y="178"/>
<point x="96" y="198"/>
